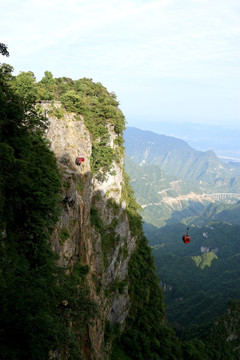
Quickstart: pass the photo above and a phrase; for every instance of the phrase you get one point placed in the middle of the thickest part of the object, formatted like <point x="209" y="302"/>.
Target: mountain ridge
<point x="197" y="279"/>
<point x="179" y="159"/>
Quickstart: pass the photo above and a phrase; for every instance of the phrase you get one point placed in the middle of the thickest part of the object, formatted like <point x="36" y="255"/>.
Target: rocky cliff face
<point x="93" y="227"/>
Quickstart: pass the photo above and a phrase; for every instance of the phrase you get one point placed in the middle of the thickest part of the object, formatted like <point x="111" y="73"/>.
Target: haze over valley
<point x="179" y="187"/>
<point x="223" y="139"/>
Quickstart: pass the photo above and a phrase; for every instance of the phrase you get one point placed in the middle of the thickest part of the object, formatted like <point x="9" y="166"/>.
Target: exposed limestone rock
<point x="74" y="238"/>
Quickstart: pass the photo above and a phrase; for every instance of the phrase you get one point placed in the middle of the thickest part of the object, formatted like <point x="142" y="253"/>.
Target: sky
<point x="168" y="61"/>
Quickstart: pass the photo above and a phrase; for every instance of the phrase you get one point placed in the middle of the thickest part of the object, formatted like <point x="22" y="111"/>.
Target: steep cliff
<point x="101" y="297"/>
<point x="101" y="227"/>
<point x="101" y="293"/>
<point x="93" y="226"/>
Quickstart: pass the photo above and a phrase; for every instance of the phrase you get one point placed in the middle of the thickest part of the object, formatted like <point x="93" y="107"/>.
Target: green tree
<point x="25" y="87"/>
<point x="45" y="86"/>
<point x="4" y="49"/>
<point x="73" y="101"/>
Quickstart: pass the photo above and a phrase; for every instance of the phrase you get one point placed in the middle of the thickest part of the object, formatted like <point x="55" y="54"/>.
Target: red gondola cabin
<point x="186" y="237"/>
<point x="79" y="160"/>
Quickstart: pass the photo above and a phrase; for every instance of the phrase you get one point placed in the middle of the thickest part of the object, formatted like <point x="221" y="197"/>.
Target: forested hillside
<point x="199" y="278"/>
<point x="78" y="279"/>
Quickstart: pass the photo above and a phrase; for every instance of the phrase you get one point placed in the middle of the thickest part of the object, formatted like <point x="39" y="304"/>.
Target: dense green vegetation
<point x="199" y="278"/>
<point x="101" y="115"/>
<point x="44" y="309"/>
<point x="82" y="97"/>
<point x="148" y="336"/>
<point x="38" y="300"/>
<point x="197" y="288"/>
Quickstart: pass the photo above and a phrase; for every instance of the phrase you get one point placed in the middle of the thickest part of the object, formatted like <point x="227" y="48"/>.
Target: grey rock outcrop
<point x="75" y="238"/>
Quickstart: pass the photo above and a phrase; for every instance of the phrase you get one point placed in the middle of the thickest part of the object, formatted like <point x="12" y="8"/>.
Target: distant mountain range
<point x="178" y="187"/>
<point x="222" y="138"/>
<point x="178" y="159"/>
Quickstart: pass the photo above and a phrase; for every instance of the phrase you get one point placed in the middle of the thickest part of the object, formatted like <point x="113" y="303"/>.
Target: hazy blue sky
<point x="166" y="60"/>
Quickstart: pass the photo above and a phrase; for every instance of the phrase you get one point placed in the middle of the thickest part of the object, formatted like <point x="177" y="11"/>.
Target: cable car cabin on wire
<point x="79" y="159"/>
<point x="186" y="237"/>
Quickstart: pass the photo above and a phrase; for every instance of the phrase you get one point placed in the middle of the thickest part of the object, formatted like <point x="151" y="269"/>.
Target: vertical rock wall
<point x="106" y="250"/>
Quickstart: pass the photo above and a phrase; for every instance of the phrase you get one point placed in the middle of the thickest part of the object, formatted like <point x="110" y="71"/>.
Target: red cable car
<point x="186" y="237"/>
<point x="79" y="159"/>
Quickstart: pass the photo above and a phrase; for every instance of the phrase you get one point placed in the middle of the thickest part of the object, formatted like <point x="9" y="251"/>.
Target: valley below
<point x="178" y="188"/>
